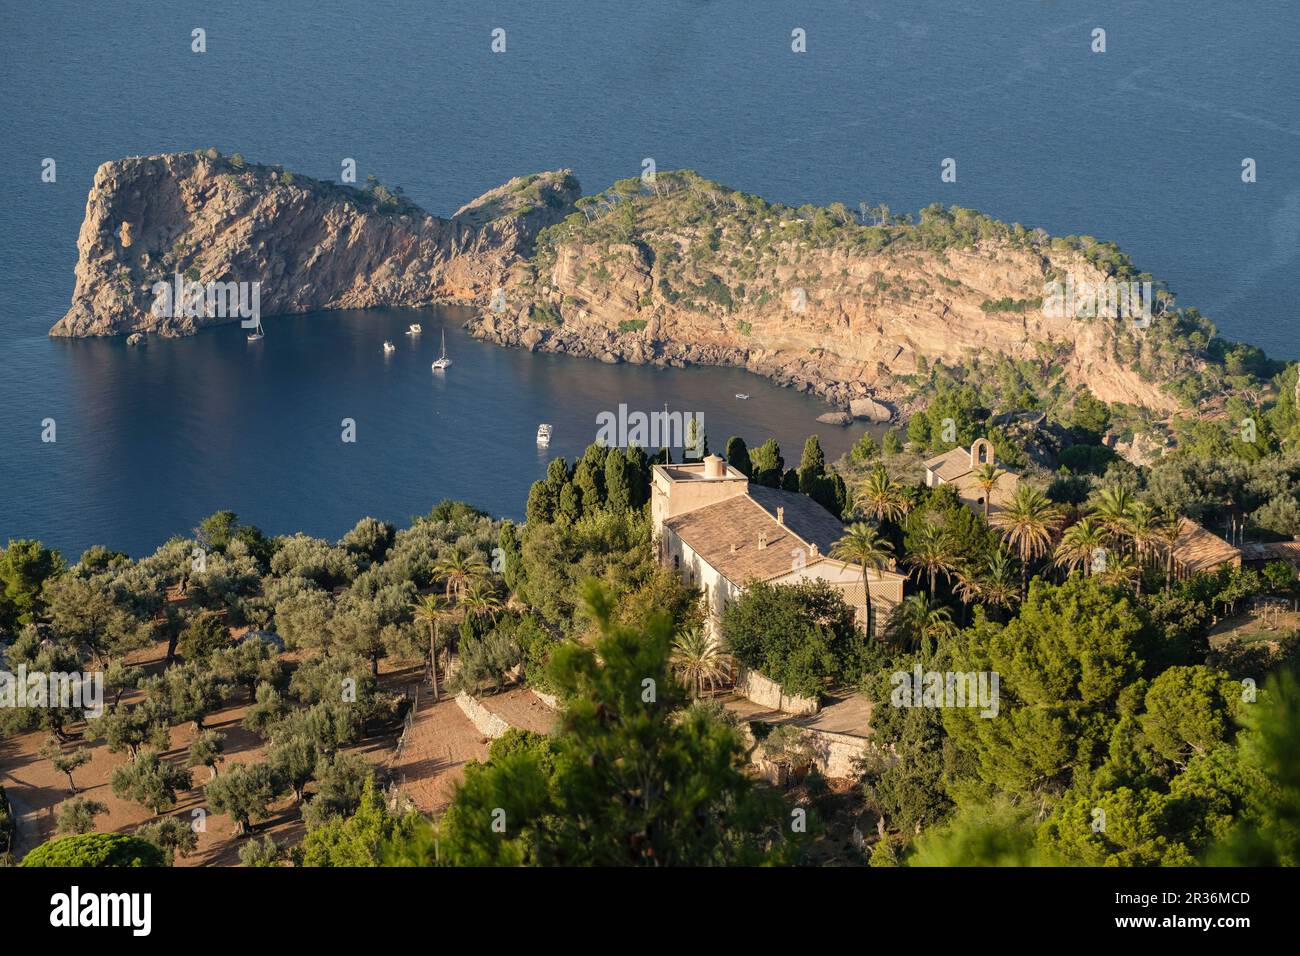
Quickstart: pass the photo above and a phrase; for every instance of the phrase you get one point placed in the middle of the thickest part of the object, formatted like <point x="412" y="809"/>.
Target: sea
<point x="1127" y="121"/>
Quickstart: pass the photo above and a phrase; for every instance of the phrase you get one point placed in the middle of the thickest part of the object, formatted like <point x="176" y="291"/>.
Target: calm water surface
<point x="1141" y="145"/>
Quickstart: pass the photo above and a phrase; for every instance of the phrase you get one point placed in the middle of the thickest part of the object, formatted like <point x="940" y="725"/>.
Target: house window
<point x="677" y="562"/>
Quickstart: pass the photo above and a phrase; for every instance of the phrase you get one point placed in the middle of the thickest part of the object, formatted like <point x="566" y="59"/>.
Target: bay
<point x="1141" y="145"/>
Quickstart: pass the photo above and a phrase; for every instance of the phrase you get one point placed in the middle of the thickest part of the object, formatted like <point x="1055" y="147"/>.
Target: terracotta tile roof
<point x="805" y="517"/>
<point x="1199" y="550"/>
<point x="712" y="531"/>
<point x="951" y="465"/>
<point x="1272" y="551"/>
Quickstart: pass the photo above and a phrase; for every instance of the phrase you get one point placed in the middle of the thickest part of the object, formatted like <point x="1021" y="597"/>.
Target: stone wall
<point x="836" y="754"/>
<point x="486" y="722"/>
<point x="766" y="692"/>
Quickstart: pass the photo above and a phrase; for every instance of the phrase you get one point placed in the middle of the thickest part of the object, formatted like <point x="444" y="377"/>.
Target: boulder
<point x="870" y="409"/>
<point x="531" y="338"/>
<point x="836" y="418"/>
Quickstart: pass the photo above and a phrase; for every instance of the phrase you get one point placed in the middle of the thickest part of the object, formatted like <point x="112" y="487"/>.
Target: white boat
<point x="543" y="435"/>
<point x="414" y="329"/>
<point x="389" y="347"/>
<point x="441" y="362"/>
<point x="257" y="334"/>
<point x="742" y="396"/>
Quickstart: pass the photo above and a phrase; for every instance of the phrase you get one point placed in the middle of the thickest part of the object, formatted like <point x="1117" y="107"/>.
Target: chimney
<point x="780" y="515"/>
<point x="813" y="550"/>
<point x="733" y="547"/>
<point x="762" y="540"/>
<point x="714" y="467"/>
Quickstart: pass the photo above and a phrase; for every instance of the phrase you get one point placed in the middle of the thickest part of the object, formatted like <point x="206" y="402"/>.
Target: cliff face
<point x="679" y="271"/>
<point x="310" y="244"/>
<point x="692" y="273"/>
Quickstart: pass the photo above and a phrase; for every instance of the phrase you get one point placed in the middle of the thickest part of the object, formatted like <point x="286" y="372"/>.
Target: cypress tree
<point x="618" y="489"/>
<point x="766" y="464"/>
<point x="738" y="455"/>
<point x="812" y="465"/>
<point x="638" y="466"/>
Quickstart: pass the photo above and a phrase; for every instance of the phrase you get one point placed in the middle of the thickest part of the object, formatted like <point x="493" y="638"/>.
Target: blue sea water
<point x="1142" y="145"/>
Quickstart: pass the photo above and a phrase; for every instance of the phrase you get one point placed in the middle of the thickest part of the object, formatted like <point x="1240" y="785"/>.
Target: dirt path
<point x="439" y="744"/>
<point x="27" y="832"/>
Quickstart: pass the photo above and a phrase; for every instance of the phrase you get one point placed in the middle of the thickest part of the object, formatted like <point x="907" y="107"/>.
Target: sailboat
<point x="257" y="334"/>
<point x="441" y="362"/>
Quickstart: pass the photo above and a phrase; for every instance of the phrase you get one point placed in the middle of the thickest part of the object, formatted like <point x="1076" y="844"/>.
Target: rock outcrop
<point x="680" y="271"/>
<point x="684" y="271"/>
<point x="309" y="244"/>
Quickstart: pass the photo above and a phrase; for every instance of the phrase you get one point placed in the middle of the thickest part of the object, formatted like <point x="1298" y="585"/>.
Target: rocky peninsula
<point x="858" y="308"/>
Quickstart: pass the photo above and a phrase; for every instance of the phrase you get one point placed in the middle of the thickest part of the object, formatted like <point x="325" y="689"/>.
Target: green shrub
<point x="97" y="850"/>
<point x="802" y="636"/>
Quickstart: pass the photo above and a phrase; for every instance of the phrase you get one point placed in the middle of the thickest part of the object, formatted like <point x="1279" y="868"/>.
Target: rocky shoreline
<point x="851" y="399"/>
<point x="681" y="271"/>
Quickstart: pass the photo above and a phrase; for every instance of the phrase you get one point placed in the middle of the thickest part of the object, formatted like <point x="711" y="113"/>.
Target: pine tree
<point x="630" y="778"/>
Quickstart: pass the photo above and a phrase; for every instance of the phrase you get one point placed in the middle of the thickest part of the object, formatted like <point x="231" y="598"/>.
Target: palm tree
<point x="986" y="477"/>
<point x="881" y="497"/>
<point x="1028" y="522"/>
<point x="932" y="554"/>
<point x="863" y="545"/>
<point x="1144" y="529"/>
<point x="1113" y="509"/>
<point x="1122" y="570"/>
<point x="481" y="600"/>
<point x="919" y="625"/>
<point x="1079" y="543"/>
<point x="430" y="611"/>
<point x="993" y="582"/>
<point x="457" y="569"/>
<point x="698" y="659"/>
<point x="1170" y="526"/>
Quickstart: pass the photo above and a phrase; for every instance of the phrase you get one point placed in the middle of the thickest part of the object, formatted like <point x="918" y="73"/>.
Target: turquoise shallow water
<point x="1141" y="145"/>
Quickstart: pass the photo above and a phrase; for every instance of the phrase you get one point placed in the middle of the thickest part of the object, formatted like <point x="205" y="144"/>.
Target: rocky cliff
<point x="310" y="244"/>
<point x="686" y="271"/>
<point x="676" y="271"/>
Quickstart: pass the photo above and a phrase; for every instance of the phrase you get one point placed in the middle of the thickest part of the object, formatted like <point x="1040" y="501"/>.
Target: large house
<point x="959" y="467"/>
<point x="722" y="534"/>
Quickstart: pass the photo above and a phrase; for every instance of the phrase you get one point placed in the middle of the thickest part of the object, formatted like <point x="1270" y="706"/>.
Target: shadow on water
<point x="153" y="438"/>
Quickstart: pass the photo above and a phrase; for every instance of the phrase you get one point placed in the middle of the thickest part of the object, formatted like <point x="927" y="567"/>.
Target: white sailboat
<point x="257" y="334"/>
<point x="389" y="347"/>
<point x="543" y="435"/>
<point x="414" y="329"/>
<point x="441" y="362"/>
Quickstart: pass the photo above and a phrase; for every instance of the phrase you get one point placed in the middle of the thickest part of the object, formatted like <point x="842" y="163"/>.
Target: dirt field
<point x="520" y="707"/>
<point x="439" y="744"/>
<point x="36" y="789"/>
<point x="1261" y="623"/>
